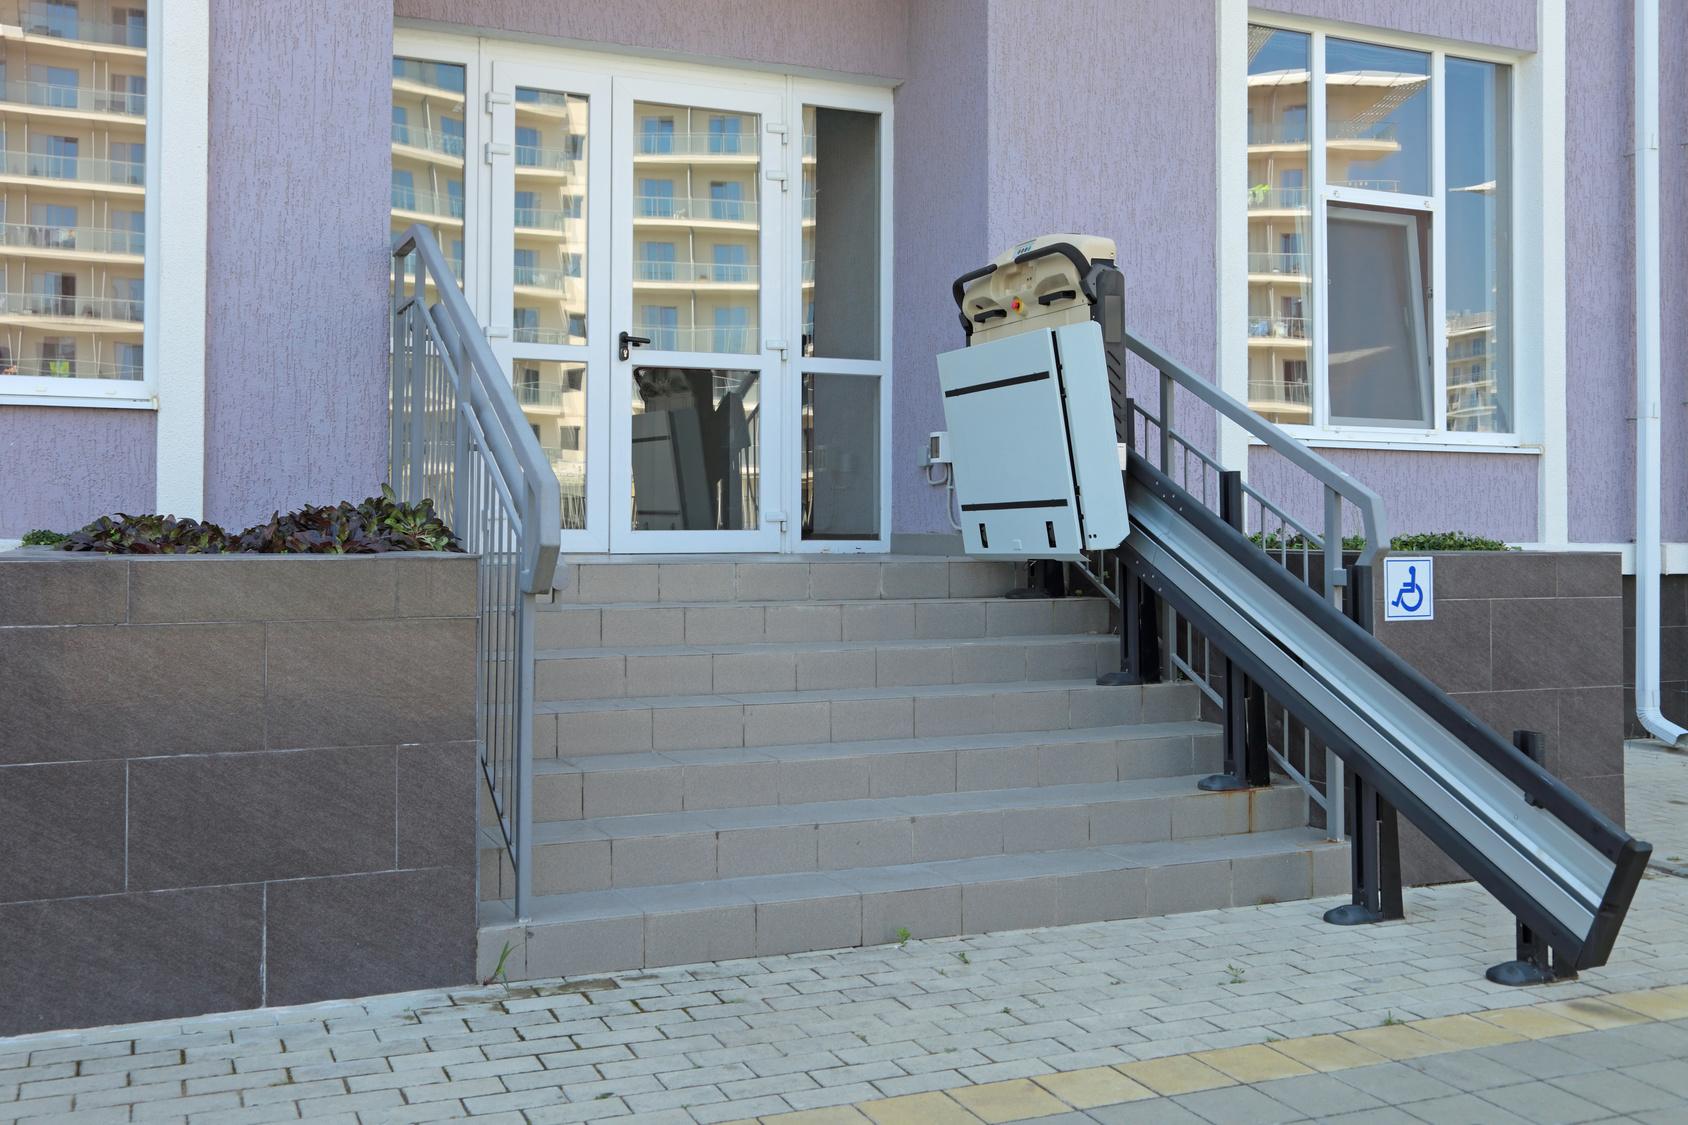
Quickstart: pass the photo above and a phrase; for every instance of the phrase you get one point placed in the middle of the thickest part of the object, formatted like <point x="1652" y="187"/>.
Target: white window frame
<point x="1534" y="378"/>
<point x="173" y="325"/>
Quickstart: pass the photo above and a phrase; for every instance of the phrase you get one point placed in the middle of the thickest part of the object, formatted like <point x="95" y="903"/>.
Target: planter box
<point x="232" y="781"/>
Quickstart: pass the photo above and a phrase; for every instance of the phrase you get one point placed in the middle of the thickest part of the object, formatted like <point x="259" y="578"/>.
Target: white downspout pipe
<point x="1648" y="393"/>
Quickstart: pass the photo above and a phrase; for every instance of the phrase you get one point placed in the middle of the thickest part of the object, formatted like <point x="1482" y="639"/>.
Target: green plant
<point x="378" y="525"/>
<point x="1419" y="541"/>
<point x="1235" y="973"/>
<point x="1389" y="1019"/>
<point x="962" y="957"/>
<point x="40" y="537"/>
<point x="498" y="969"/>
<point x="902" y="937"/>
<point x="147" y="535"/>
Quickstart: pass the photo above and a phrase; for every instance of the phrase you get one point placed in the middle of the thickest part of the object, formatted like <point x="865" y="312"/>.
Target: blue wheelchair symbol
<point x="1410" y="589"/>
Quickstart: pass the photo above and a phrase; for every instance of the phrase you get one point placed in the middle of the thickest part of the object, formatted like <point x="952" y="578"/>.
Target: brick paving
<point x="1052" y="1020"/>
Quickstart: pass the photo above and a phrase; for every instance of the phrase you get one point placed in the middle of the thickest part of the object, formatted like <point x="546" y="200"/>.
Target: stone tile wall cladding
<point x="230" y="781"/>
<point x="1526" y="641"/>
<point x="1673" y="653"/>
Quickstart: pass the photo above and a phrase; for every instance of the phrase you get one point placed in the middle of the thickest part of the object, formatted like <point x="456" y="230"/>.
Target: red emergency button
<point x="1014" y="304"/>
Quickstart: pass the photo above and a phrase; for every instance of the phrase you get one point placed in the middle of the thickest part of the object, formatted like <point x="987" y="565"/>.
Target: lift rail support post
<point x="1022" y="405"/>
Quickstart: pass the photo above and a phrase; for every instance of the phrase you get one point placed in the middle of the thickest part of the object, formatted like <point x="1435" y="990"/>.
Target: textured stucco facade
<point x="296" y="328"/>
<point x="296" y="381"/>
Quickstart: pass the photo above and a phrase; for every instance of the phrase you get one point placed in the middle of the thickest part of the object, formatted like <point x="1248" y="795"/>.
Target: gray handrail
<point x="511" y="440"/>
<point x="1335" y="481"/>
<point x="459" y="438"/>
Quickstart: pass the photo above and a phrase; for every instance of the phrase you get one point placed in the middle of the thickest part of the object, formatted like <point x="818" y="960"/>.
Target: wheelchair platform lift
<point x="1038" y="418"/>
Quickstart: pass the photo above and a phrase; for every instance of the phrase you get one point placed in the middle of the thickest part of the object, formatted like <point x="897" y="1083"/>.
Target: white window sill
<point x="145" y="401"/>
<point x="1408" y="443"/>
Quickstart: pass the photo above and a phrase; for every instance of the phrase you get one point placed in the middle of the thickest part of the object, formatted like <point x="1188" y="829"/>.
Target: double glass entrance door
<point x="636" y="286"/>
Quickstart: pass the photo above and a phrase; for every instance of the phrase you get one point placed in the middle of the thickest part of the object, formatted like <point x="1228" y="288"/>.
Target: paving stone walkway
<point x="1257" y="1014"/>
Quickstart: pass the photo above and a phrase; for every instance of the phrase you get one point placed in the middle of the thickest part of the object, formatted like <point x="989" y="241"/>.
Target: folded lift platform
<point x="1035" y="413"/>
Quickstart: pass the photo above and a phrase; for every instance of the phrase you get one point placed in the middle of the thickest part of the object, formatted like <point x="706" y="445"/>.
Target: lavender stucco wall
<point x="1600" y="260"/>
<point x="1673" y="203"/>
<point x="849" y="36"/>
<point x="296" y="342"/>
<point x="1494" y="23"/>
<point x="940" y="230"/>
<point x="61" y="467"/>
<point x="1114" y="175"/>
<point x="1492" y="494"/>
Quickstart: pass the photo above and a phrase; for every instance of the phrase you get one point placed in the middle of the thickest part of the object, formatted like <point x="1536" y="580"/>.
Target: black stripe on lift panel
<point x="1010" y="505"/>
<point x="996" y="384"/>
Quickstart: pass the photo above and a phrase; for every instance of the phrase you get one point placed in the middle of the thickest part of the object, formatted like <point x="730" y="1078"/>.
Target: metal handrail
<point x="1338" y="485"/>
<point x="459" y="438"/>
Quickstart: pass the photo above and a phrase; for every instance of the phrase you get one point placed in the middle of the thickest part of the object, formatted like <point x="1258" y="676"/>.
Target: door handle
<point x="630" y="341"/>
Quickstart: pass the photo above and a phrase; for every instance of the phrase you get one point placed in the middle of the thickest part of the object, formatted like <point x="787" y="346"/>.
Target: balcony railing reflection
<point x="52" y="95"/>
<point x="688" y="272"/>
<point x="414" y="136"/>
<point x="697" y="210"/>
<point x="60" y="305"/>
<point x="1287" y="263"/>
<point x="1277" y="327"/>
<point x="82" y="169"/>
<point x="122" y="27"/>
<point x="97" y="239"/>
<point x="1282" y="394"/>
<point x="732" y="340"/>
<point x="427" y="202"/>
<point x="695" y="144"/>
<point x="45" y="367"/>
<point x="1262" y="198"/>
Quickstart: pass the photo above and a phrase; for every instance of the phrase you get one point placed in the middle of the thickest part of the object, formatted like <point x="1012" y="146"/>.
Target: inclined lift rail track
<point x="1036" y="411"/>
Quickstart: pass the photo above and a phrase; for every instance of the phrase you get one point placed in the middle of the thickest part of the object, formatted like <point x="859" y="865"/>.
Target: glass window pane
<point x="840" y="233"/>
<point x="73" y="221"/>
<point x="1377" y="117"/>
<point x="1479" y="222"/>
<point x="840" y="457"/>
<point x="1280" y="242"/>
<point x="553" y="398"/>
<point x="696" y="229"/>
<point x="1379" y="363"/>
<point x="550" y="217"/>
<point x="428" y="151"/>
<point x="696" y="449"/>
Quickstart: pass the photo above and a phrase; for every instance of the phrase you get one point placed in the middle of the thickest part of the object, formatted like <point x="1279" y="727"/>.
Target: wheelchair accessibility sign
<point x="1409" y="588"/>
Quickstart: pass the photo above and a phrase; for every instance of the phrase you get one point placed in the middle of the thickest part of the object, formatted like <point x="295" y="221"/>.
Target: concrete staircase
<point x="740" y="757"/>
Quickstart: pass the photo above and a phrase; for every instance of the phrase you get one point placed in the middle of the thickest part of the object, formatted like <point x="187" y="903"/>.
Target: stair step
<point x="721" y="669"/>
<point x="604" y="931"/>
<point x="592" y="625"/>
<point x="705" y="845"/>
<point x="688" y="578"/>
<point x="689" y="780"/>
<point x="578" y="728"/>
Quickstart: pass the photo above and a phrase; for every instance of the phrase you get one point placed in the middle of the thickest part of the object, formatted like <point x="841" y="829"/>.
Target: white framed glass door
<point x="550" y="316"/>
<point x="697" y="294"/>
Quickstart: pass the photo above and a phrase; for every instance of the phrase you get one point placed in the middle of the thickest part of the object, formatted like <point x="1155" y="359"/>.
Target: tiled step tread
<point x="591" y="625"/>
<point x="602" y="931"/>
<point x="1049" y="640"/>
<point x="811" y="751"/>
<point x="632" y="672"/>
<point x="724" y="578"/>
<point x="901" y="808"/>
<point x="579" y="728"/>
<point x="676" y="780"/>
<point x="707" y="845"/>
<point x="837" y="695"/>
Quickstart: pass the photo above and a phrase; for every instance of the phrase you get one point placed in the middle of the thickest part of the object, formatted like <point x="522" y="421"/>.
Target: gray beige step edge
<point x="605" y="931"/>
